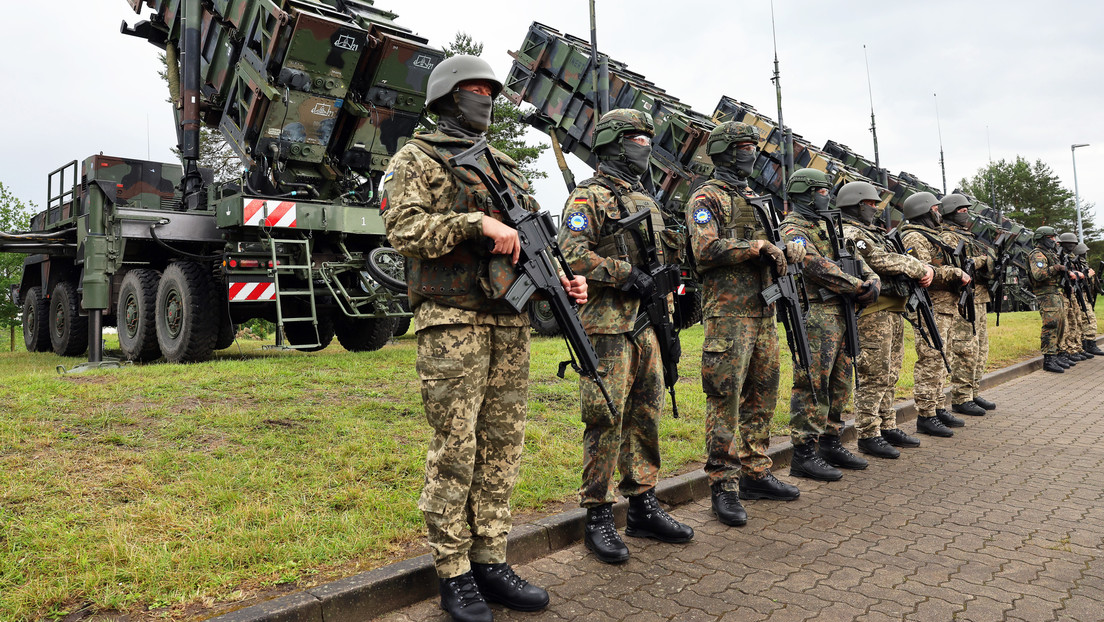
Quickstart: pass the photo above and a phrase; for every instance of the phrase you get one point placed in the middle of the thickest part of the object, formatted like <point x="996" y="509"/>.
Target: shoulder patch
<point x="908" y="250"/>
<point x="702" y="216"/>
<point x="577" y="221"/>
<point x="800" y="240"/>
<point x="861" y="244"/>
<point x="388" y="176"/>
<point x="1040" y="264"/>
<point x="580" y="201"/>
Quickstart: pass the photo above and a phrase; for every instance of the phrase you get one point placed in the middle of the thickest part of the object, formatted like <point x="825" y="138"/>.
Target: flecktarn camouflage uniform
<point x="1042" y="265"/>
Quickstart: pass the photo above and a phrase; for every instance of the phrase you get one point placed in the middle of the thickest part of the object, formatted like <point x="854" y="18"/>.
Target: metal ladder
<point x="289" y="269"/>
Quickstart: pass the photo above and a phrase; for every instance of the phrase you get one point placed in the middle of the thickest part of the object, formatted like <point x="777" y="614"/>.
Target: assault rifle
<point x="1074" y="286"/>
<point x="537" y="263"/>
<point x="918" y="304"/>
<point x="966" y="296"/>
<point x="1000" y="271"/>
<point x="788" y="290"/>
<point x="850" y="265"/>
<point x="666" y="279"/>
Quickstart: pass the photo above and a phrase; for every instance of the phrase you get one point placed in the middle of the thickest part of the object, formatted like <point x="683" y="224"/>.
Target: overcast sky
<point x="1033" y="73"/>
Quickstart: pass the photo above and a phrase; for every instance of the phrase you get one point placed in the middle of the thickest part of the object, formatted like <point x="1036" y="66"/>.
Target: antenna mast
<point x="873" y="127"/>
<point x="939" y="128"/>
<point x="787" y="135"/>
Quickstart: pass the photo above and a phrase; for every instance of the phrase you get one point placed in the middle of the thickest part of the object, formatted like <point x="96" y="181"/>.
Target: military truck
<point x="314" y="97"/>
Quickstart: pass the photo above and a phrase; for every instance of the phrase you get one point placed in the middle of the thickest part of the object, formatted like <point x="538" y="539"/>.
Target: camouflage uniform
<point x="881" y="329"/>
<point x="740" y="352"/>
<point x="817" y="409"/>
<point x="473" y="350"/>
<point x="925" y="244"/>
<point x="1088" y="317"/>
<point x="630" y="363"/>
<point x="1071" y="339"/>
<point x="1045" y="279"/>
<point x="965" y="352"/>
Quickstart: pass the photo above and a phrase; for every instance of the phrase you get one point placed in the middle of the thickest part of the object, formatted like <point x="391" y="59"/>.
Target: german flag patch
<point x="580" y="201"/>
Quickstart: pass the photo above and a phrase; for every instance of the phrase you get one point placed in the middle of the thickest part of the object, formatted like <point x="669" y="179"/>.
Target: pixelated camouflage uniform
<point x="740" y="351"/>
<point x="817" y="409"/>
<point x="881" y="329"/>
<point x="473" y="350"/>
<point x="1045" y="279"/>
<point x="630" y="363"/>
<point x="965" y="352"/>
<point x="925" y="244"/>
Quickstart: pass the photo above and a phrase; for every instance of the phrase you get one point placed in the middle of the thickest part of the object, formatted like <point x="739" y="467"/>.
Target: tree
<point x="507" y="132"/>
<point x="15" y="215"/>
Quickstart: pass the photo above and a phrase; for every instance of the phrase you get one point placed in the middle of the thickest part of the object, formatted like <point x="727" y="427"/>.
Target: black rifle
<point x="850" y="265"/>
<point x="788" y="290"/>
<point x="1074" y="286"/>
<point x="919" y="304"/>
<point x="666" y="279"/>
<point x="537" y="263"/>
<point x="966" y="292"/>
<point x="1000" y="271"/>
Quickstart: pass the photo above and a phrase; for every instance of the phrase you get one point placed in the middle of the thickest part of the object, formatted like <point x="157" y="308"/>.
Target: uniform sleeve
<point x="418" y="224"/>
<point x="946" y="277"/>
<point x="580" y="227"/>
<point x="882" y="261"/>
<point x="1044" y="272"/>
<point x="710" y="250"/>
<point x="820" y="269"/>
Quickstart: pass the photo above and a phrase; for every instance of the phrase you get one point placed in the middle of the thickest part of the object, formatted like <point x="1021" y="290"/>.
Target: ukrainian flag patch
<point x="388" y="176"/>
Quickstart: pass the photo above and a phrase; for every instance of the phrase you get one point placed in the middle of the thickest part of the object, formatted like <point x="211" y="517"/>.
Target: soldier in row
<point x="1088" y="320"/>
<point x="1076" y="317"/>
<point x="1045" y="275"/>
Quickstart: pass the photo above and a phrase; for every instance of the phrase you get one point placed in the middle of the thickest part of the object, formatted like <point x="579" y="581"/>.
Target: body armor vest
<point x="613" y="241"/>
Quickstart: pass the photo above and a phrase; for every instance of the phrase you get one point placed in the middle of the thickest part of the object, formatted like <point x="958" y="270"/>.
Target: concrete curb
<point x="376" y="592"/>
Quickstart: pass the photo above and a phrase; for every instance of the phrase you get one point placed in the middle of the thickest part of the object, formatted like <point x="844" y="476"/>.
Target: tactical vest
<point x="469" y="276"/>
<point x="613" y="241"/>
<point x="893" y="285"/>
<point x="1050" y="286"/>
<point x="737" y="220"/>
<point x="946" y="254"/>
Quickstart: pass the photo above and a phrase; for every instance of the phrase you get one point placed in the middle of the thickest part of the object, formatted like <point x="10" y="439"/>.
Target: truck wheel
<point x="542" y="320"/>
<point x="36" y="327"/>
<point x="227" y="329"/>
<point x="186" y="329"/>
<point x="303" y="332"/>
<point x="68" y="330"/>
<point x="388" y="268"/>
<point x="135" y="315"/>
<point x="363" y="335"/>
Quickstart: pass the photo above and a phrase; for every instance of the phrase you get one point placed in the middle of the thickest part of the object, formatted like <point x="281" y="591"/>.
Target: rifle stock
<point x="966" y="295"/>
<point x="850" y="265"/>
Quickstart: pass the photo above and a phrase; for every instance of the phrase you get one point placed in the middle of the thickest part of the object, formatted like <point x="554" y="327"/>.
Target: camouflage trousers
<point x="633" y="375"/>
<point x="1088" y="324"/>
<point x="740" y="381"/>
<point x="475" y="382"/>
<point x="929" y="374"/>
<point x="962" y="355"/>
<point x="983" y="348"/>
<point x="1071" y="336"/>
<point x="882" y="337"/>
<point x="1052" y="308"/>
<point x="818" y="409"/>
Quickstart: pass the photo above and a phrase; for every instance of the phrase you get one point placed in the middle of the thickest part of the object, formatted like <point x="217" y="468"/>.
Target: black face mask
<point x="475" y="109"/>
<point x="636" y="156"/>
<point x="744" y="161"/>
<point x="806" y="204"/>
<point x="862" y="213"/>
<point x="961" y="219"/>
<point x="1048" y="243"/>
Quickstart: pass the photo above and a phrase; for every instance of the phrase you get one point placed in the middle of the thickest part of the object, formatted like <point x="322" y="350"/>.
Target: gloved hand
<point x="795" y="252"/>
<point x="867" y="293"/>
<point x="772" y="255"/>
<point x="639" y="282"/>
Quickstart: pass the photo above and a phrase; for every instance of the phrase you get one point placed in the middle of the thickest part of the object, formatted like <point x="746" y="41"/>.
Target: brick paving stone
<point x="1001" y="522"/>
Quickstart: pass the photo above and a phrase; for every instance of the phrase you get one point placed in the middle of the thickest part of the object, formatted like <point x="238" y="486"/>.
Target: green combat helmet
<point x="446" y="76"/>
<point x="952" y="203"/>
<point x="917" y="205"/>
<point x="1068" y="240"/>
<point x="1043" y="235"/>
<point x="619" y="122"/>
<point x="730" y="133"/>
<point x="1081" y="249"/>
<point x="854" y="192"/>
<point x="805" y="179"/>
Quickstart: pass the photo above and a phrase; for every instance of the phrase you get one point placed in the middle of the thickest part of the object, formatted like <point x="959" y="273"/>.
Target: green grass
<point x="157" y="489"/>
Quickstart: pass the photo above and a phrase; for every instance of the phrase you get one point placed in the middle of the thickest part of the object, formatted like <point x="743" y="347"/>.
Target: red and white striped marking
<point x="249" y="292"/>
<point x="261" y="213"/>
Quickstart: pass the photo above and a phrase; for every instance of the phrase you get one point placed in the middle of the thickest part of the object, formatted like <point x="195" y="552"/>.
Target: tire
<point x="688" y="309"/>
<point x="36" y="324"/>
<point x="68" y="330"/>
<point x="186" y="319"/>
<point x="363" y="335"/>
<point x="227" y="329"/>
<point x="402" y="324"/>
<point x="542" y="320"/>
<point x="388" y="268"/>
<point x="303" y="332"/>
<point x="135" y="315"/>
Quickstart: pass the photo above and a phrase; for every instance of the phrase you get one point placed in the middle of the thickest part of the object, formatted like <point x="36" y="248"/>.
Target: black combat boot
<point x="1085" y="354"/>
<point x="500" y="584"/>
<point x="878" y="447"/>
<point x="898" y="438"/>
<point x="1091" y="347"/>
<point x="806" y="462"/>
<point x="727" y="507"/>
<point x="984" y="403"/>
<point x="948" y="419"/>
<point x="601" y="536"/>
<point x="835" y="454"/>
<point x="460" y="597"/>
<point x="647" y="520"/>
<point x="1064" y="360"/>
<point x="1050" y="364"/>
<point x="968" y="408"/>
<point x="1074" y="356"/>
<point x="932" y="426"/>
<point x="767" y="486"/>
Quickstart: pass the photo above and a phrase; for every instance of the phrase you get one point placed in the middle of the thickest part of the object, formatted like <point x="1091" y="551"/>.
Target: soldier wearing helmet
<point x="596" y="247"/>
<point x="969" y="342"/>
<point x="1045" y="274"/>
<point x="920" y="235"/>
<point x="734" y="258"/>
<point x="1071" y="346"/>
<point x="473" y="347"/>
<point x="831" y="366"/>
<point x="881" y="325"/>
<point x="1088" y="320"/>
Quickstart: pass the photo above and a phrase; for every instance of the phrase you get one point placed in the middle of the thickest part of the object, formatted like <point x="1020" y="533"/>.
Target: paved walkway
<point x="1005" y="521"/>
